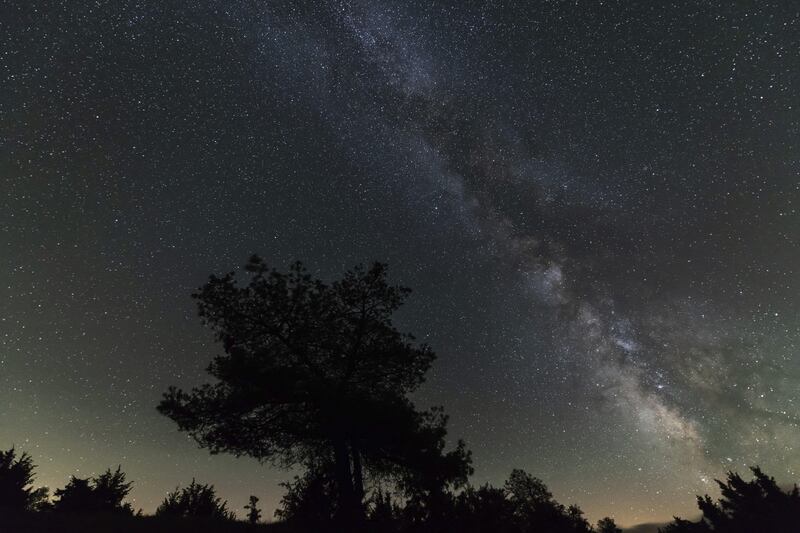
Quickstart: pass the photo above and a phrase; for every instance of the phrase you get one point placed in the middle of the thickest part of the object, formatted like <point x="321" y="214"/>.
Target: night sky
<point x="596" y="204"/>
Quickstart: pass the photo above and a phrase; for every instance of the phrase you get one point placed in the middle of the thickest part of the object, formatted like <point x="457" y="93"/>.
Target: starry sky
<point x="596" y="203"/>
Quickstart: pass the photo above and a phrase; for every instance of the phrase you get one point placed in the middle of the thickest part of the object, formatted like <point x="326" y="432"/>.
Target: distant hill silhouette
<point x="645" y="528"/>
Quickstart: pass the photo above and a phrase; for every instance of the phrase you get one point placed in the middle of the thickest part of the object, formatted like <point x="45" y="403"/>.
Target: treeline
<point x="103" y="494"/>
<point x="522" y="505"/>
<point x="315" y="376"/>
<point x="310" y="505"/>
<point x="525" y="505"/>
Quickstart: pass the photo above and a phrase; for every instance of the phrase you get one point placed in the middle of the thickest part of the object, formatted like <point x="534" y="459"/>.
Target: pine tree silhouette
<point x="745" y="506"/>
<point x="16" y="484"/>
<point x="311" y="371"/>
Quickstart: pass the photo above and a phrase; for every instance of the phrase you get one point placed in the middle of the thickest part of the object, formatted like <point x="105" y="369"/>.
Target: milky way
<point x="596" y="204"/>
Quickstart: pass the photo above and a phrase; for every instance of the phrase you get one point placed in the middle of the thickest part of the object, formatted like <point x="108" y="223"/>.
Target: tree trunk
<point x="348" y="507"/>
<point x="358" y="475"/>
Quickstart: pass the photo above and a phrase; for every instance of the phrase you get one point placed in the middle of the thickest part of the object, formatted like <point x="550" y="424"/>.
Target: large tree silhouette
<point x="314" y="370"/>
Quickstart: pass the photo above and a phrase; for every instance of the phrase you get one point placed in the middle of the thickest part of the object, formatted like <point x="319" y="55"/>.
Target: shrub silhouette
<point x="745" y="506"/>
<point x="313" y="370"/>
<point x="102" y="494"/>
<point x="310" y="501"/>
<point x="16" y="484"/>
<point x="196" y="500"/>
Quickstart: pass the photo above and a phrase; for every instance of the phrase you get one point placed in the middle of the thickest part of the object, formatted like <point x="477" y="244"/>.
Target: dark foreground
<point x="50" y="523"/>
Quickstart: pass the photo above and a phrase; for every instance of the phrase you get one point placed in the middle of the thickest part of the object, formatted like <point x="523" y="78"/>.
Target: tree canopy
<point x="313" y="370"/>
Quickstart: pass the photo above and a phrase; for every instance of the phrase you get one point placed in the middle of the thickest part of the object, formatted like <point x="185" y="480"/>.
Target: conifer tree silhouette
<point x="101" y="494"/>
<point x="16" y="484"/>
<point x="195" y="500"/>
<point x="253" y="512"/>
<point x="745" y="506"/>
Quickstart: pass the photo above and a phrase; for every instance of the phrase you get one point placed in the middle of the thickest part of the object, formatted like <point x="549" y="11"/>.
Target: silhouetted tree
<point x="576" y="521"/>
<point x="485" y="509"/>
<point x="536" y="509"/>
<point x="607" y="525"/>
<point x="104" y="493"/>
<point x="315" y="370"/>
<point x="76" y="496"/>
<point x="110" y="489"/>
<point x="526" y="491"/>
<point x="16" y="484"/>
<point x="745" y="506"/>
<point x="197" y="500"/>
<point x="253" y="512"/>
